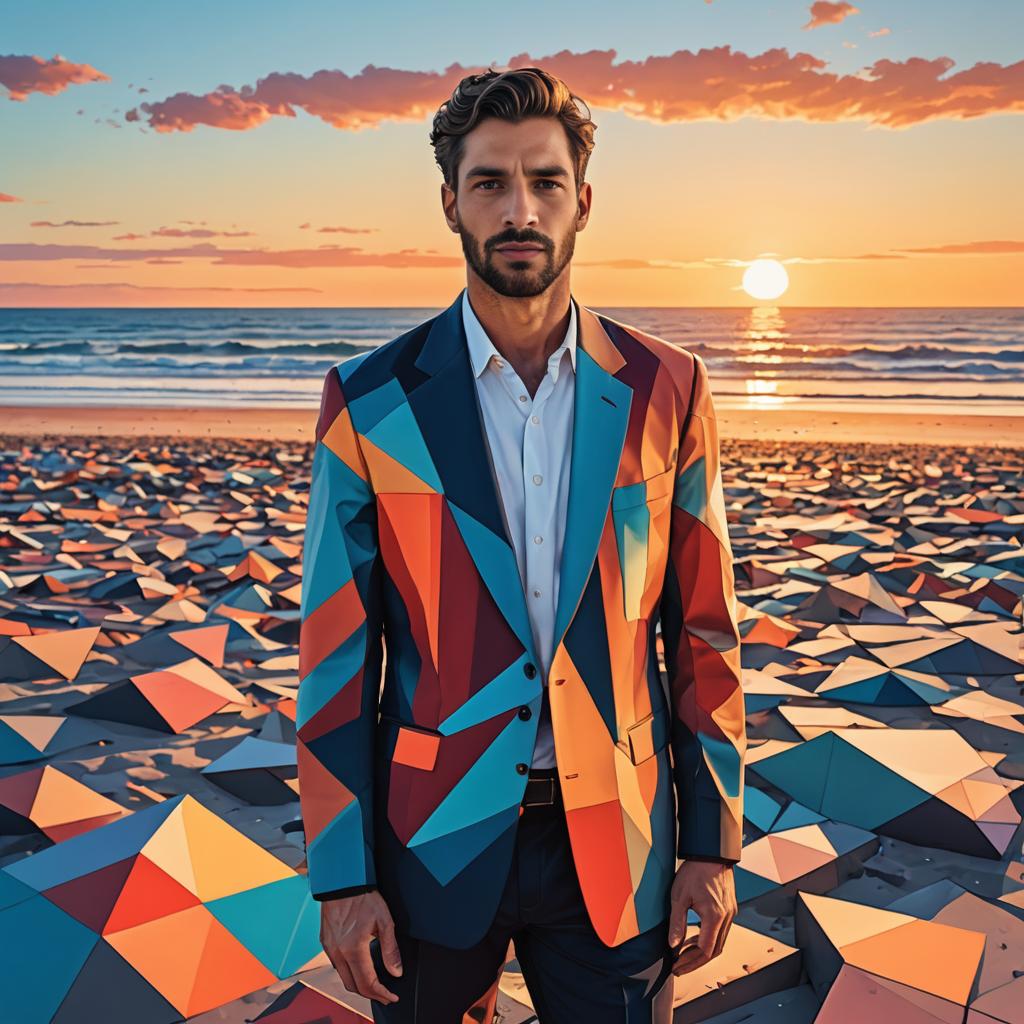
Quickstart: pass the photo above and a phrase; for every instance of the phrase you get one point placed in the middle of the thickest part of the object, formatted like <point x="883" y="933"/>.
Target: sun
<point x="765" y="279"/>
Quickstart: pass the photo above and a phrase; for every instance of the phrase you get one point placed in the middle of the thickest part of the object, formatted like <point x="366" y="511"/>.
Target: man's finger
<point x="341" y="966"/>
<point x="366" y="976"/>
<point x="389" y="945"/>
<point x="723" y="934"/>
<point x="677" y="921"/>
<point x="710" y="926"/>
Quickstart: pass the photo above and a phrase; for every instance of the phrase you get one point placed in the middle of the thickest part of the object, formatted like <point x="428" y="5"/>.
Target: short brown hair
<point x="511" y="96"/>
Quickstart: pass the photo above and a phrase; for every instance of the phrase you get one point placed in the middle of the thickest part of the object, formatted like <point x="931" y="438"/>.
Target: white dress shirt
<point x="531" y="444"/>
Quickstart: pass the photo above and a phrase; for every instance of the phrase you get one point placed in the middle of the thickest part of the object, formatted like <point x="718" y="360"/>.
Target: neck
<point x="524" y="330"/>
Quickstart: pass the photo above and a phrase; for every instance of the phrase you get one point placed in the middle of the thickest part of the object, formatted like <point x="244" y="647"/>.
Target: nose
<point x="521" y="210"/>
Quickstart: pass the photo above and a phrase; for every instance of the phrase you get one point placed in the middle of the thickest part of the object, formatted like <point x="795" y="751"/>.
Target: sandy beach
<point x="149" y="599"/>
<point x="957" y="429"/>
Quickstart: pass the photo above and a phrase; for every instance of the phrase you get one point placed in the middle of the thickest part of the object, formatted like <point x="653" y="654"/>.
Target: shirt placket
<point x="536" y="502"/>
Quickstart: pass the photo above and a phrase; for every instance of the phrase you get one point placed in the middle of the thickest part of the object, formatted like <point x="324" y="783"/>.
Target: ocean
<point x="967" y="360"/>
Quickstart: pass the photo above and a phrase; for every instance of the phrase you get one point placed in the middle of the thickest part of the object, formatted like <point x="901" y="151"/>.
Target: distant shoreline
<point x="60" y="423"/>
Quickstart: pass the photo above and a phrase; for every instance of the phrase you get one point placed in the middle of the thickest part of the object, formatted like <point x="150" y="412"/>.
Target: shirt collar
<point x="481" y="348"/>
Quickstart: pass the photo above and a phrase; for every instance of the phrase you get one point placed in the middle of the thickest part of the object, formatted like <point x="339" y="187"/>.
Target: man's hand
<point x="346" y="927"/>
<point x="710" y="889"/>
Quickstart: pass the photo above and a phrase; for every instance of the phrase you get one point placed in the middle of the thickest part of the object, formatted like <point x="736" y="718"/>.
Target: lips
<point x="520" y="248"/>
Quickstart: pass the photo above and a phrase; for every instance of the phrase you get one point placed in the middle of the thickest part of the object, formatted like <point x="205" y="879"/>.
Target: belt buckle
<point x="527" y="802"/>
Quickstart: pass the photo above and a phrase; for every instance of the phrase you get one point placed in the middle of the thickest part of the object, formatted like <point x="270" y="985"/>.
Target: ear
<point x="583" y="206"/>
<point x="448" y="200"/>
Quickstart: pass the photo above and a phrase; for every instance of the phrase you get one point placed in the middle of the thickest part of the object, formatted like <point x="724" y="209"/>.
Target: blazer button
<point x="522" y="768"/>
<point x="525" y="713"/>
<point x="530" y="669"/>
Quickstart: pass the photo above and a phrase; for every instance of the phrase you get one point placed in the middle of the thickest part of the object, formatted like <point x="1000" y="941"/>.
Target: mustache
<point x="524" y="238"/>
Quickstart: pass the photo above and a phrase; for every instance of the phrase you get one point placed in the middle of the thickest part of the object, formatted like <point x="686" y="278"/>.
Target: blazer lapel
<point x="446" y="409"/>
<point x="600" y="418"/>
<point x="448" y="414"/>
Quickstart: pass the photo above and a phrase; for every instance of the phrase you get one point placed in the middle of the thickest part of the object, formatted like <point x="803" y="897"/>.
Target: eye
<point x="494" y="181"/>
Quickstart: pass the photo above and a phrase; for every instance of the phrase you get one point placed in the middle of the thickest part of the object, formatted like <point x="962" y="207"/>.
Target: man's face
<point x="516" y="187"/>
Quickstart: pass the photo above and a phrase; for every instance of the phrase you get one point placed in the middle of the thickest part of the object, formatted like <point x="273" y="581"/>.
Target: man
<point x="514" y="495"/>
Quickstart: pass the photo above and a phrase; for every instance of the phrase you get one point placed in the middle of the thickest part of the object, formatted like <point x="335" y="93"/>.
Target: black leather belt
<point x="542" y="789"/>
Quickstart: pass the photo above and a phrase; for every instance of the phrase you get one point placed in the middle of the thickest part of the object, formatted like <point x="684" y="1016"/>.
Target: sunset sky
<point x="243" y="154"/>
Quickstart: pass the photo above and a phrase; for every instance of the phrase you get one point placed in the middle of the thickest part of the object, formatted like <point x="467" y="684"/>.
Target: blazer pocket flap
<point x="648" y="736"/>
<point x="415" y="746"/>
<point x="662" y="484"/>
<point x="657" y="486"/>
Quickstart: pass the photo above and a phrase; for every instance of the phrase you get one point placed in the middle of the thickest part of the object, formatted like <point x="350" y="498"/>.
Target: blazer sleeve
<point x="702" y="645"/>
<point x="340" y="656"/>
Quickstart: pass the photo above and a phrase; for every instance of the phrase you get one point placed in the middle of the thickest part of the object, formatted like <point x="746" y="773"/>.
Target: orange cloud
<point x="32" y="293"/>
<point x="198" y="233"/>
<point x="336" y="256"/>
<point x="73" y="223"/>
<point x="881" y="32"/>
<point x="712" y="84"/>
<point x="5" y="198"/>
<point x="866" y="256"/>
<point x="348" y="102"/>
<point x="323" y="256"/>
<point x="22" y="75"/>
<point x="977" y="248"/>
<point x="825" y="13"/>
<point x="330" y="229"/>
<point x="985" y="248"/>
<point x="165" y="232"/>
<point x="331" y="256"/>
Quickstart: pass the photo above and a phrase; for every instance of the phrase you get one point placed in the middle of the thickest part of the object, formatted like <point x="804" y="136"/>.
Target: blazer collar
<point x="481" y="348"/>
<point x="447" y="336"/>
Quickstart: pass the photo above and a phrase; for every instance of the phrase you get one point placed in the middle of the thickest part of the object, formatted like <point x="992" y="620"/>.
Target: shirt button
<point x="535" y="419"/>
<point x="525" y="713"/>
<point x="536" y="593"/>
<point x="522" y="768"/>
<point x="522" y="398"/>
<point x="537" y="478"/>
<point x="537" y="539"/>
<point x="530" y="670"/>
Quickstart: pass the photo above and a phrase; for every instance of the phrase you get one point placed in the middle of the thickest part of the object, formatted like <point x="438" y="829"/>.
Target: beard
<point x="524" y="278"/>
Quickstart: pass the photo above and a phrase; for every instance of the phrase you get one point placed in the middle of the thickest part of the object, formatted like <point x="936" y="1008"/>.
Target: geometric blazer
<point x="419" y="687"/>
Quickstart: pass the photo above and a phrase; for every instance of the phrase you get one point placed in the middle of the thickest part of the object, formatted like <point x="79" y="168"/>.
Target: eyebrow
<point x="555" y="171"/>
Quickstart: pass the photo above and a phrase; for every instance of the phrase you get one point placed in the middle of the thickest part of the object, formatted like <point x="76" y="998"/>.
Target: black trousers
<point x="571" y="975"/>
